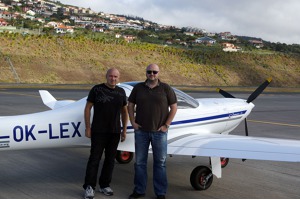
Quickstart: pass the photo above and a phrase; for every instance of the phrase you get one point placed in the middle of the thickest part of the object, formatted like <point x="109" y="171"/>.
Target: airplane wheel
<point x="224" y="162"/>
<point x="201" y="178"/>
<point x="124" y="157"/>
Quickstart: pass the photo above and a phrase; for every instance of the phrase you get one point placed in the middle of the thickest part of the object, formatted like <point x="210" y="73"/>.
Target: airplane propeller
<point x="251" y="98"/>
<point x="254" y="95"/>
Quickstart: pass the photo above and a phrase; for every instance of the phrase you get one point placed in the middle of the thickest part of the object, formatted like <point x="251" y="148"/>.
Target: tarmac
<point x="59" y="173"/>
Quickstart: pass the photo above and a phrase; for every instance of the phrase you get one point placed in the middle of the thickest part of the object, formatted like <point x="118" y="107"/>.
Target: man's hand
<point x="88" y="132"/>
<point x="135" y="126"/>
<point x="123" y="136"/>
<point x="163" y="128"/>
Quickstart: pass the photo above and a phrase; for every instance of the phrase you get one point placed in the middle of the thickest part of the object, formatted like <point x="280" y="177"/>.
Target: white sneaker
<point x="89" y="193"/>
<point x="107" y="191"/>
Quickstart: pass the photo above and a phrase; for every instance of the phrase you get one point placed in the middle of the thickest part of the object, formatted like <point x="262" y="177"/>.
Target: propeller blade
<point x="246" y="131"/>
<point x="259" y="90"/>
<point x="225" y="94"/>
<point x="246" y="127"/>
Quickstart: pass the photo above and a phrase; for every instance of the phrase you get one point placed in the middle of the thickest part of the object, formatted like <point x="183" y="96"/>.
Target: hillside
<point x="79" y="60"/>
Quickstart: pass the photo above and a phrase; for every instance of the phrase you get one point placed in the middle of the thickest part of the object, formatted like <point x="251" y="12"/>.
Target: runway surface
<point x="59" y="173"/>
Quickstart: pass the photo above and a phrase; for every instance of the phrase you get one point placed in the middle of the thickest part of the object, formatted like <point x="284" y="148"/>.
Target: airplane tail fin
<point x="51" y="102"/>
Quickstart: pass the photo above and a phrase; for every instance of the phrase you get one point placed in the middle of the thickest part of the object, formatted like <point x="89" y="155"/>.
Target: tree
<point x="143" y="34"/>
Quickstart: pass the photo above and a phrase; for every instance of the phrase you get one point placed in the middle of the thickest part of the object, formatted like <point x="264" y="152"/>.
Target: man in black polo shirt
<point x="156" y="106"/>
<point x="109" y="102"/>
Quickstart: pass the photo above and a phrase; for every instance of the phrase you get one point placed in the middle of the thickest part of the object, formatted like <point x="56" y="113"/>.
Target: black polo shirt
<point x="152" y="105"/>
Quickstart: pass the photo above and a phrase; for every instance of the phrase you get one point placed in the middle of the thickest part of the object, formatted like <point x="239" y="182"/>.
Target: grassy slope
<point x="39" y="59"/>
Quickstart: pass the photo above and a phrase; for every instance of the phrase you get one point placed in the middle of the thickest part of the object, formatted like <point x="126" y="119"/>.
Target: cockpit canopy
<point x="184" y="100"/>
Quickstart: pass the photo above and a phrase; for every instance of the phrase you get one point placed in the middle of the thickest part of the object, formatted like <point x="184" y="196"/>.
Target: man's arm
<point x="87" y="117"/>
<point x="131" y="115"/>
<point x="124" y="115"/>
<point x="172" y="113"/>
<point x="173" y="110"/>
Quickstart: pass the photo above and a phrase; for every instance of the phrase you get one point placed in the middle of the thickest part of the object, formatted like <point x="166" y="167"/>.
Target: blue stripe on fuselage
<point x="209" y="118"/>
<point x="202" y="119"/>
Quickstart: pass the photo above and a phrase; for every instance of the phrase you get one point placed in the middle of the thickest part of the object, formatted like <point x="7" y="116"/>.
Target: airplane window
<point x="184" y="100"/>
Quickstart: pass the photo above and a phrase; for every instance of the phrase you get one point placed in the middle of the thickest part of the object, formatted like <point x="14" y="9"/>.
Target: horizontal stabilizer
<point x="51" y="102"/>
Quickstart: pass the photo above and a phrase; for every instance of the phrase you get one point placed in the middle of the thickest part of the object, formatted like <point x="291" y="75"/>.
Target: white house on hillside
<point x="205" y="40"/>
<point x="30" y="12"/>
<point x="3" y="7"/>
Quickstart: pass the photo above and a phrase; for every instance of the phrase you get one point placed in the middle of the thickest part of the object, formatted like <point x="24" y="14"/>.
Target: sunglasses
<point x="150" y="72"/>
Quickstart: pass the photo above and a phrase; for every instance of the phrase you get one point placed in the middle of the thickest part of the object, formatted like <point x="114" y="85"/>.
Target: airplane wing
<point x="51" y="102"/>
<point x="233" y="146"/>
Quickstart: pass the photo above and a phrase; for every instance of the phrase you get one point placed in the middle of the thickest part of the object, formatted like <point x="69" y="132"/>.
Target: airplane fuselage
<point x="65" y="126"/>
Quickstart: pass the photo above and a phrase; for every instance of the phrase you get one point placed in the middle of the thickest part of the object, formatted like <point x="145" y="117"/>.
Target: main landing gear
<point x="201" y="177"/>
<point x="124" y="157"/>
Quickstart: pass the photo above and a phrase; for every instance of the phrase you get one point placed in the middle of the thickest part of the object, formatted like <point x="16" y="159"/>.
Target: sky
<point x="270" y="20"/>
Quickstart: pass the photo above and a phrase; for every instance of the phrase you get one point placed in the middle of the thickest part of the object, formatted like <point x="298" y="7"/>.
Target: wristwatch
<point x="167" y="126"/>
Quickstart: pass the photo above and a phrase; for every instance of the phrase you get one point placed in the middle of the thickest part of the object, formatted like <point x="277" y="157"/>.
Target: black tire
<point x="124" y="157"/>
<point x="224" y="162"/>
<point x="198" y="178"/>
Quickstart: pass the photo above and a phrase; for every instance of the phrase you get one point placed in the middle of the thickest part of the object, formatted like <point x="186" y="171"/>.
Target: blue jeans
<point x="159" y="144"/>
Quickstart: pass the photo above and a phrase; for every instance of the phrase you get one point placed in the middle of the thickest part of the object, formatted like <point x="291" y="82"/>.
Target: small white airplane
<point x="201" y="127"/>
